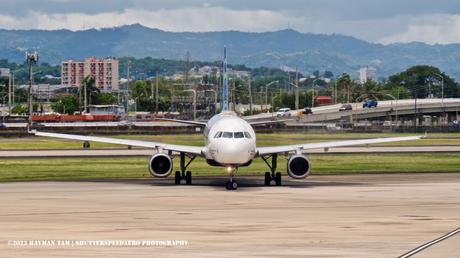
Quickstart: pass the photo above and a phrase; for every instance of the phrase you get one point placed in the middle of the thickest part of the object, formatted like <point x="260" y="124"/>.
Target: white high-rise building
<point x="367" y="74"/>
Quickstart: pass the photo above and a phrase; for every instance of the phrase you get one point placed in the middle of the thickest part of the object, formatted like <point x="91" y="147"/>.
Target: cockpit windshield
<point x="227" y="135"/>
<point x="237" y="135"/>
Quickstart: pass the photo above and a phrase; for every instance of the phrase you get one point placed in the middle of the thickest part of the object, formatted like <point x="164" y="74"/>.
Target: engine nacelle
<point x="298" y="166"/>
<point x="160" y="165"/>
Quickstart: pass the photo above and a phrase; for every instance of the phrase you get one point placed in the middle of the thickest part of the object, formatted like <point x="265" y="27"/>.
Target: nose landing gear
<point x="231" y="184"/>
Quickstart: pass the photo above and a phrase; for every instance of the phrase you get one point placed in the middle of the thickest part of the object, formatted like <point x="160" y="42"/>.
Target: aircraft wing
<point x="182" y="121"/>
<point x="146" y="144"/>
<point x="302" y="147"/>
<point x="267" y="122"/>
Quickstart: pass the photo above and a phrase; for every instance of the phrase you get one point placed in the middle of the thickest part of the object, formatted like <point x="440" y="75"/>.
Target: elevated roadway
<point x="390" y="109"/>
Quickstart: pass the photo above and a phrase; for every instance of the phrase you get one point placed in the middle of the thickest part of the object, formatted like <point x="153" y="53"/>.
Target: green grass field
<point x="79" y="168"/>
<point x="91" y="168"/>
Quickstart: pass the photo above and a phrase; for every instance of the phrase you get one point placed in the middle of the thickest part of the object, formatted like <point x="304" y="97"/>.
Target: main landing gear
<point x="183" y="174"/>
<point x="273" y="175"/>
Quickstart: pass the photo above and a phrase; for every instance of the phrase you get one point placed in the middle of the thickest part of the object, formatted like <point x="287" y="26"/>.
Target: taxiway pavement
<point x="323" y="216"/>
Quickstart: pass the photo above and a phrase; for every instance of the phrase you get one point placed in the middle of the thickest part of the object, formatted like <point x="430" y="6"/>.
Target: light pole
<point x="156" y="94"/>
<point x="313" y="92"/>
<point x="335" y="92"/>
<point x="250" y="95"/>
<point x="9" y="94"/>
<point x="266" y="91"/>
<point x="442" y="89"/>
<point x="31" y="59"/>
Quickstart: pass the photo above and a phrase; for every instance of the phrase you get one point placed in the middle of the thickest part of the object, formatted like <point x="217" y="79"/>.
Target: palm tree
<point x="344" y="82"/>
<point x="89" y="88"/>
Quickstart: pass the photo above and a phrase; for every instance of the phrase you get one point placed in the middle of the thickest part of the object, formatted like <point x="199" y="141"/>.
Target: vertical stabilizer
<point x="225" y="83"/>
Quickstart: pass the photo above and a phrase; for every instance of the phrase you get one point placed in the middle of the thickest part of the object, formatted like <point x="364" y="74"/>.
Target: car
<point x="283" y="112"/>
<point x="345" y="107"/>
<point x="307" y="111"/>
<point x="369" y="103"/>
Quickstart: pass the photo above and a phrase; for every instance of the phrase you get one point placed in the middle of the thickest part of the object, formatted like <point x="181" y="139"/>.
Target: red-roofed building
<point x="323" y="100"/>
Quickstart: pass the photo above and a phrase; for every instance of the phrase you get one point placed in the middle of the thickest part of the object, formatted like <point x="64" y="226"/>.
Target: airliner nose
<point x="233" y="153"/>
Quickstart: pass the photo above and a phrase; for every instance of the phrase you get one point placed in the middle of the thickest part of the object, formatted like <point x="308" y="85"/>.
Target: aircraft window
<point x="247" y="135"/>
<point x="239" y="135"/>
<point x="218" y="135"/>
<point x="227" y="135"/>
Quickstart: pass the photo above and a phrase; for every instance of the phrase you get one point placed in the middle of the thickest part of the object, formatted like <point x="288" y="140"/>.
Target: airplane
<point x="229" y="142"/>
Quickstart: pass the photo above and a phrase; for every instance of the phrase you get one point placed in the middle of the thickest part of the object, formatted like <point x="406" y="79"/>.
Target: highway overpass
<point x="438" y="110"/>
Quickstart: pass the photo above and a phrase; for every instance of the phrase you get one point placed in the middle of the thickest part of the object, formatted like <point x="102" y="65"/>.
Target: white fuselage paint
<point x="229" y="151"/>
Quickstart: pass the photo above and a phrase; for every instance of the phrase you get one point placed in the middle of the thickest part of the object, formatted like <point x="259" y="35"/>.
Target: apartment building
<point x="104" y="71"/>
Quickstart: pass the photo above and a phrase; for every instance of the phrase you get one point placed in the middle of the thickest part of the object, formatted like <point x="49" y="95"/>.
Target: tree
<point x="67" y="104"/>
<point x="19" y="109"/>
<point x="23" y="109"/>
<point x="91" y="91"/>
<point x="105" y="99"/>
<point x="344" y="84"/>
<point x="423" y="80"/>
<point x="328" y="74"/>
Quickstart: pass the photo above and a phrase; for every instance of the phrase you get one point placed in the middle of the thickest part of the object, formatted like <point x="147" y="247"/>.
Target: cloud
<point x="185" y="19"/>
<point x="431" y="29"/>
<point x="200" y="15"/>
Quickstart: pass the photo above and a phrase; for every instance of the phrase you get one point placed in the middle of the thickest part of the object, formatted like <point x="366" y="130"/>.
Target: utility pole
<point x="218" y="78"/>
<point x="281" y="97"/>
<point x="127" y="87"/>
<point x="187" y="66"/>
<point x="156" y="94"/>
<point x="415" y="115"/>
<point x="266" y="96"/>
<point x="9" y="94"/>
<point x="250" y="94"/>
<point x="13" y="88"/>
<point x="296" y="88"/>
<point x="85" y="101"/>
<point x="31" y="59"/>
<point x="151" y="89"/>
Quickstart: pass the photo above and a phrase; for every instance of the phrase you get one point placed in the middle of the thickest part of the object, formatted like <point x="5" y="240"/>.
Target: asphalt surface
<point x="323" y="216"/>
<point x="101" y="153"/>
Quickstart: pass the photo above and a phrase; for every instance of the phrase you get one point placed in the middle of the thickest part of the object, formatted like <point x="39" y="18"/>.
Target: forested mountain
<point x="309" y="52"/>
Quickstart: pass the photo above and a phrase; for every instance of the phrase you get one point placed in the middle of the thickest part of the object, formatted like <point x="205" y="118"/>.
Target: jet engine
<point x="298" y="166"/>
<point x="160" y="165"/>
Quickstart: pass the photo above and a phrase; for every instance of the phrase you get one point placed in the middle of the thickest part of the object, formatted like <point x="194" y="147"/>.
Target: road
<point x="101" y="153"/>
<point x="402" y="106"/>
<point x="324" y="216"/>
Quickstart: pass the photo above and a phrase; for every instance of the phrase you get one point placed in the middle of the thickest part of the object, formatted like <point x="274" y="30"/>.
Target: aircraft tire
<point x="188" y="178"/>
<point x="267" y="178"/>
<point x="278" y="178"/>
<point x="177" y="178"/>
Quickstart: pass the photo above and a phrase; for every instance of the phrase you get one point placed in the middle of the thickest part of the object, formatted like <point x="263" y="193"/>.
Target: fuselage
<point x="229" y="140"/>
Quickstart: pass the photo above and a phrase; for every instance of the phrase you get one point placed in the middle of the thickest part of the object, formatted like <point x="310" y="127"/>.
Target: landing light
<point x="229" y="169"/>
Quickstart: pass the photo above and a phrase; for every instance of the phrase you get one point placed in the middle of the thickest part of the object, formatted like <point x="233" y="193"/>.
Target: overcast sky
<point x="384" y="21"/>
